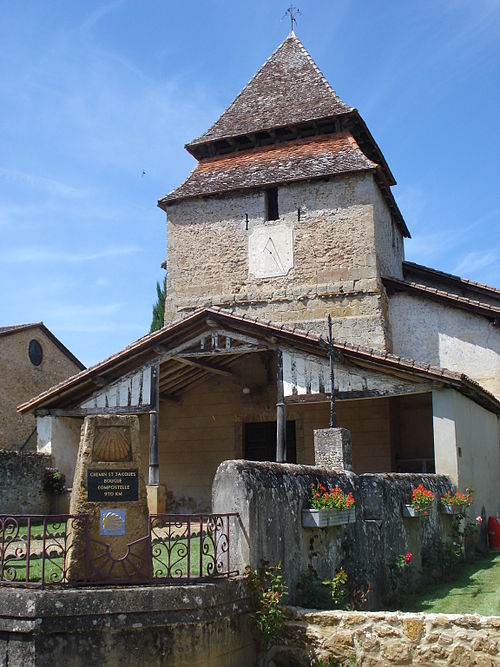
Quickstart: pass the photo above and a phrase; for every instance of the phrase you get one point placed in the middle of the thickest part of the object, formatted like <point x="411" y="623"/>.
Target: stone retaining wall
<point x="372" y="639"/>
<point x="21" y="479"/>
<point x="203" y="625"/>
<point x="269" y="498"/>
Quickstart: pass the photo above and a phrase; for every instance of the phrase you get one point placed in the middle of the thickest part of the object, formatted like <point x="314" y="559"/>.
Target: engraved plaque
<point x="112" y="485"/>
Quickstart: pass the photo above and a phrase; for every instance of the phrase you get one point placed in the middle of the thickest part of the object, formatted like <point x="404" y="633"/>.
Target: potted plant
<point x="458" y="503"/>
<point x="421" y="502"/>
<point x="328" y="507"/>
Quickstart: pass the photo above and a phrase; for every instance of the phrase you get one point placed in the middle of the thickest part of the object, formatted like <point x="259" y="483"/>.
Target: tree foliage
<point x="159" y="307"/>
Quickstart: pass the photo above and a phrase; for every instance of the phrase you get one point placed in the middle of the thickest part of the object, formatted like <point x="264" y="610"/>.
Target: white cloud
<point x="477" y="260"/>
<point x="47" y="185"/>
<point x="49" y="255"/>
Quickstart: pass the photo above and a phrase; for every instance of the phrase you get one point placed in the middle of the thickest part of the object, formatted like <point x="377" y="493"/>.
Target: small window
<point x="271" y="198"/>
<point x="35" y="352"/>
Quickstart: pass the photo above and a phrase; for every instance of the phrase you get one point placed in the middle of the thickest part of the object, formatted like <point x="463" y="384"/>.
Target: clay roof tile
<point x="270" y="165"/>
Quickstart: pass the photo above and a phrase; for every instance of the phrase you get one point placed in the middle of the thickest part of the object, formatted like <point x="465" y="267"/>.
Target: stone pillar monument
<point x="109" y="488"/>
<point x="332" y="448"/>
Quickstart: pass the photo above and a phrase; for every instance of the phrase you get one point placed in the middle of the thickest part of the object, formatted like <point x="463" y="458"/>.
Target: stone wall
<point x="270" y="498"/>
<point x="335" y="266"/>
<point x="447" y="337"/>
<point x="388" y="239"/>
<point x="21" y="380"/>
<point x="372" y="639"/>
<point x="176" y="626"/>
<point x="21" y="479"/>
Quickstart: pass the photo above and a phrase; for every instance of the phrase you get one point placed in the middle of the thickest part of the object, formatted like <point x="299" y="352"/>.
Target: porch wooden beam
<point x="181" y="384"/>
<point x="154" y="468"/>
<point x="83" y="412"/>
<point x="280" y="410"/>
<point x="305" y="399"/>
<point x="178" y="371"/>
<point x="160" y="349"/>
<point x="99" y="380"/>
<point x="242" y="349"/>
<point x="395" y="372"/>
<point x="202" y="365"/>
<point x="182" y="373"/>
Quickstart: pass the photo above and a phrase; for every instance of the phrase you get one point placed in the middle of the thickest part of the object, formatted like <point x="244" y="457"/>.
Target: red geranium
<point x="332" y="498"/>
<point x="422" y="498"/>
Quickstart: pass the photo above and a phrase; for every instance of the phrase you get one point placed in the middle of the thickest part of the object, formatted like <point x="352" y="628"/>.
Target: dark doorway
<point x="259" y="441"/>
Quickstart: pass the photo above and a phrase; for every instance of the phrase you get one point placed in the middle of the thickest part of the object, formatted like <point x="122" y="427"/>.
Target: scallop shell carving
<point x="112" y="521"/>
<point x="112" y="444"/>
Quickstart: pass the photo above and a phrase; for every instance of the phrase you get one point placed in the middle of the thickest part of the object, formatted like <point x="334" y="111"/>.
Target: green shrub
<point x="267" y="588"/>
<point x="54" y="482"/>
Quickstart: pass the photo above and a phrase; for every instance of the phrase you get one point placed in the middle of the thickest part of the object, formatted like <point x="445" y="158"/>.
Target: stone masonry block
<point x="333" y="448"/>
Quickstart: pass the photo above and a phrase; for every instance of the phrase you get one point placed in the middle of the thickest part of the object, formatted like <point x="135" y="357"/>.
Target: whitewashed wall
<point x="448" y="337"/>
<point x="307" y="374"/>
<point x="467" y="447"/>
<point x="59" y="437"/>
<point x="132" y="390"/>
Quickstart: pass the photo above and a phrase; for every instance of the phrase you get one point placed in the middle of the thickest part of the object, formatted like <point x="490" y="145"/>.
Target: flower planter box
<point x="410" y="512"/>
<point x="453" y="509"/>
<point x="312" y="518"/>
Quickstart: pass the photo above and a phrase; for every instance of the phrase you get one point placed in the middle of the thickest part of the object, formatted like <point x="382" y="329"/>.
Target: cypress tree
<point x="159" y="307"/>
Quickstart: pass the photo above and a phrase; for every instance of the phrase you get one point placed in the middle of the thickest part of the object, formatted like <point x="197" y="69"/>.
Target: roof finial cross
<point x="293" y="12"/>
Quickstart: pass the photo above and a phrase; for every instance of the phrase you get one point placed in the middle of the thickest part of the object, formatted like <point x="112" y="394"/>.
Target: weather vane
<point x="293" y="12"/>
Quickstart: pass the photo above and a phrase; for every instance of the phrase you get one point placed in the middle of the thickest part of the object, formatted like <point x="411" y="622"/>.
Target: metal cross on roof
<point x="331" y="358"/>
<point x="293" y="12"/>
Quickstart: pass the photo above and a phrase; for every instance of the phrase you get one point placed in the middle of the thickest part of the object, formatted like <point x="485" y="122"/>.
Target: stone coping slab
<point x="60" y="606"/>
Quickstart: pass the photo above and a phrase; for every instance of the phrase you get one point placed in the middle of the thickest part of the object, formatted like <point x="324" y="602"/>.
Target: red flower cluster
<point x="459" y="499"/>
<point x="403" y="562"/>
<point x="422" y="498"/>
<point x="332" y="498"/>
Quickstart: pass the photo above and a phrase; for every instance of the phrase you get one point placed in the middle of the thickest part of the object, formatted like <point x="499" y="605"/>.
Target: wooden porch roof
<point x="241" y="334"/>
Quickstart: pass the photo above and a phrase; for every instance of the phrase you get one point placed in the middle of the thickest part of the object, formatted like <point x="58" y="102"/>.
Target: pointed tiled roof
<point x="287" y="90"/>
<point x="290" y="107"/>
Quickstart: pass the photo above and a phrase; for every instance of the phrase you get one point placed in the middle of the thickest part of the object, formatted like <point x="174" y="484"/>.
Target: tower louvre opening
<point x="271" y="199"/>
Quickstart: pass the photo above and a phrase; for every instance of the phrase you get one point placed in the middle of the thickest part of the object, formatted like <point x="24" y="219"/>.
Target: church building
<point x="288" y="218"/>
<point x="290" y="207"/>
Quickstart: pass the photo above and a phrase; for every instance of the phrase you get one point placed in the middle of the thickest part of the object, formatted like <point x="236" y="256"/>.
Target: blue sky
<point x="94" y="93"/>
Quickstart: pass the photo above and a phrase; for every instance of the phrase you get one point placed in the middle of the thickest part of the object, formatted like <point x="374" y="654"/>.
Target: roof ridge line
<point x="315" y="66"/>
<point x="440" y="292"/>
<point x="245" y="86"/>
<point x="453" y="276"/>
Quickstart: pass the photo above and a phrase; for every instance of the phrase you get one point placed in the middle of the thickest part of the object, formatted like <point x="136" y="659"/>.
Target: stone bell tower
<point x="289" y="214"/>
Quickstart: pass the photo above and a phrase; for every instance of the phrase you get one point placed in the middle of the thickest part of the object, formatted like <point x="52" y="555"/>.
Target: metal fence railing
<point x="190" y="546"/>
<point x="42" y="550"/>
<point x="35" y="549"/>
